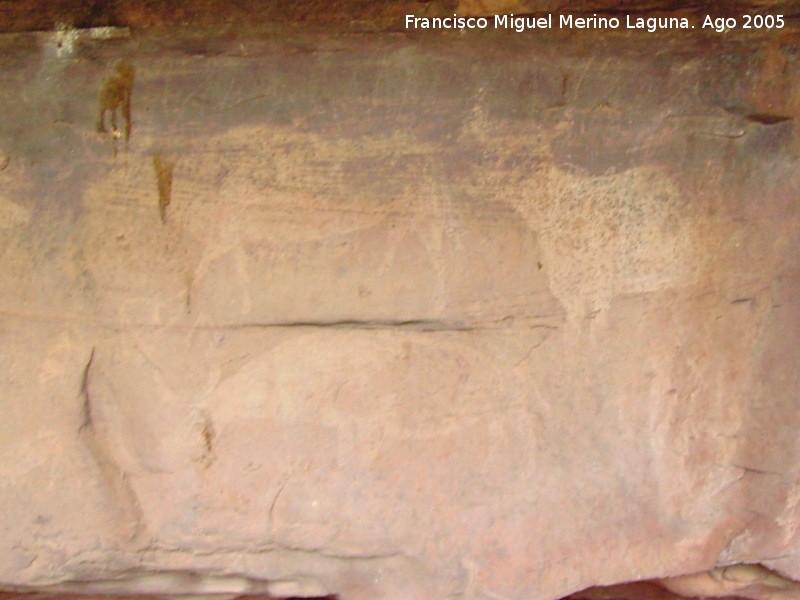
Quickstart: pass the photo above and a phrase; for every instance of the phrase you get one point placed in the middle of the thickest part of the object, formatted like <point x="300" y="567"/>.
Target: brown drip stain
<point x="208" y="434"/>
<point x="115" y="94"/>
<point x="164" y="168"/>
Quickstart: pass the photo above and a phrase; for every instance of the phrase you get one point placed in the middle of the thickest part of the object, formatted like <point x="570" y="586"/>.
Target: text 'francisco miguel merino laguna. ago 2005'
<point x="549" y="21"/>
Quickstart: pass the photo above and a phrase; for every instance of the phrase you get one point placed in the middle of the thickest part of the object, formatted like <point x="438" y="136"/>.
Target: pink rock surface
<point x="496" y="317"/>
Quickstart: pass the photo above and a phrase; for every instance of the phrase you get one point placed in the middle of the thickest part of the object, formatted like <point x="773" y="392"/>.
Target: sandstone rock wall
<point x="397" y="316"/>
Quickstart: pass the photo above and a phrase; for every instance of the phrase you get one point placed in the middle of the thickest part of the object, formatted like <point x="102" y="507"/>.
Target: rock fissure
<point x="86" y="407"/>
<point x="760" y="118"/>
<point x="421" y="325"/>
<point x="116" y="479"/>
<point x="427" y="325"/>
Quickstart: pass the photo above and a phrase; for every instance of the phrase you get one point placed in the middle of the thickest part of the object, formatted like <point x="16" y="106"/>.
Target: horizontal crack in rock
<point x="412" y="324"/>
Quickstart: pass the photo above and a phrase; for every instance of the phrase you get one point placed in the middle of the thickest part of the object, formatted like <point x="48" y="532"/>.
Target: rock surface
<point x="431" y="316"/>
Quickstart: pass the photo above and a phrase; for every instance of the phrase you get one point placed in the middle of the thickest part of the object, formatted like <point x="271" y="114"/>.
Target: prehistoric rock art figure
<point x="116" y="94"/>
<point x="745" y="581"/>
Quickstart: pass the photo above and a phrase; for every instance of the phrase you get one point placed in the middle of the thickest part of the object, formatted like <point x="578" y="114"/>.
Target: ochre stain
<point x="116" y="94"/>
<point x="164" y="168"/>
<point x="208" y="433"/>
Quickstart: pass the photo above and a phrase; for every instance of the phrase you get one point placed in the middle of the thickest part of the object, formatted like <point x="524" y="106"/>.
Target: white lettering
<point x="593" y="22"/>
<point x="653" y="24"/>
<point x="454" y="22"/>
<point x="719" y="24"/>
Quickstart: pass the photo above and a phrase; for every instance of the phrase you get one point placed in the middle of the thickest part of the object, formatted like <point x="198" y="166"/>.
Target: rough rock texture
<point x="435" y="316"/>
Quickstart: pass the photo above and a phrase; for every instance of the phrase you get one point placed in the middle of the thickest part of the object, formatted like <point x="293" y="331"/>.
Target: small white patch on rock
<point x="65" y="38"/>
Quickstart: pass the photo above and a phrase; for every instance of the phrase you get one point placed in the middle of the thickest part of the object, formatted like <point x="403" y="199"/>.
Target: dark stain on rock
<point x="115" y="94"/>
<point x="164" y="168"/>
<point x="767" y="119"/>
<point x="761" y="118"/>
<point x="208" y="432"/>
